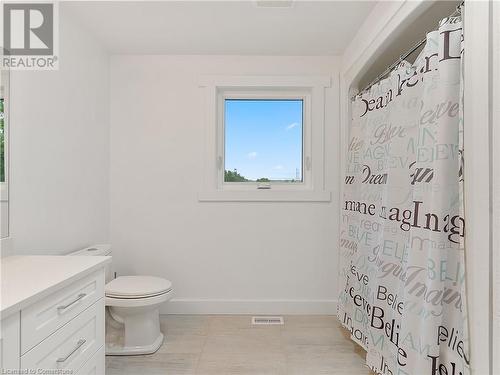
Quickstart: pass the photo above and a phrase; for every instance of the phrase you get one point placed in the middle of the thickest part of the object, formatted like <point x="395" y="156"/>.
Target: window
<point x="263" y="140"/>
<point x="261" y="135"/>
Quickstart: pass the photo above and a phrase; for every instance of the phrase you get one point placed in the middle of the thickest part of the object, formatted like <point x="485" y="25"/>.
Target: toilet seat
<point x="137" y="287"/>
<point x="138" y="302"/>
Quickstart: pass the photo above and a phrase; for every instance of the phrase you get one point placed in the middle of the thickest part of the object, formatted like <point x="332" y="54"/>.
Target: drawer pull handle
<point x="64" y="307"/>
<point x="78" y="346"/>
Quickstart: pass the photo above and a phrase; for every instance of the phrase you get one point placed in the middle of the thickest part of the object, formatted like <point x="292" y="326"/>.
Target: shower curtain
<point x="402" y="276"/>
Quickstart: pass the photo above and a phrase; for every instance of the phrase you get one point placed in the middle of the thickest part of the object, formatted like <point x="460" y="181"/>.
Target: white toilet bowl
<point x="134" y="301"/>
<point x="133" y="304"/>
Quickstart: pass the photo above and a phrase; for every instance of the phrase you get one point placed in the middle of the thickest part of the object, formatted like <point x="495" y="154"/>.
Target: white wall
<point x="496" y="187"/>
<point x="59" y="154"/>
<point x="221" y="257"/>
<point x="478" y="181"/>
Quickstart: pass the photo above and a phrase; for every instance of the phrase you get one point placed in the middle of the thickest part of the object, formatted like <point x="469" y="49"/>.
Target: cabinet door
<point x="43" y="318"/>
<point x="95" y="365"/>
<point x="9" y="342"/>
<point x="70" y="346"/>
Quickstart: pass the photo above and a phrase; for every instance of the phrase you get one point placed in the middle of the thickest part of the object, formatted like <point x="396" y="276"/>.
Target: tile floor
<point x="229" y="344"/>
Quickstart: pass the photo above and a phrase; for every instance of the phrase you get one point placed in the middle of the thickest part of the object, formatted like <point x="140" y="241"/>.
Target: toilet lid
<point x="137" y="286"/>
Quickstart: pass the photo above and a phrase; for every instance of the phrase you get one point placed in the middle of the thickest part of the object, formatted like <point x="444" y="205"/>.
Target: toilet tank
<point x="102" y="250"/>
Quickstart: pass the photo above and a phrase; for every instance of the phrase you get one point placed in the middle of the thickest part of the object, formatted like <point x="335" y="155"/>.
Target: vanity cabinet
<point x="61" y="327"/>
<point x="10" y="342"/>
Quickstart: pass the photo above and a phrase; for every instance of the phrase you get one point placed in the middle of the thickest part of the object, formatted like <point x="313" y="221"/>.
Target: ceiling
<point x="222" y="27"/>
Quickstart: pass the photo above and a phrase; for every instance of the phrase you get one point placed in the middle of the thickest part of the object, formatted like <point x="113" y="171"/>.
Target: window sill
<point x="265" y="196"/>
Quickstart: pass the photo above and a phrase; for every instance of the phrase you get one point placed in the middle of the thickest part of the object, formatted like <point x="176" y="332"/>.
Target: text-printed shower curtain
<point x="402" y="275"/>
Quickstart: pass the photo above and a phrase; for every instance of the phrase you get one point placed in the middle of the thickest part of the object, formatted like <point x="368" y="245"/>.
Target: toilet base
<point x="141" y="327"/>
<point x="134" y="350"/>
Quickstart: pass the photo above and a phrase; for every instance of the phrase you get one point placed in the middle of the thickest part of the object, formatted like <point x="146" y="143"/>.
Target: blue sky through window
<point x="263" y="138"/>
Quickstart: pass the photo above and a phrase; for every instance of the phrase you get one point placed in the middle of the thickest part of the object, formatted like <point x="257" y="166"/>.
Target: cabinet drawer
<point x="72" y="345"/>
<point x="44" y="317"/>
<point x="9" y="344"/>
<point x="95" y="365"/>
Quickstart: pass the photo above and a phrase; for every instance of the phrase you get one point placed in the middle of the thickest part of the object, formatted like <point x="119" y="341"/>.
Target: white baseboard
<point x="223" y="306"/>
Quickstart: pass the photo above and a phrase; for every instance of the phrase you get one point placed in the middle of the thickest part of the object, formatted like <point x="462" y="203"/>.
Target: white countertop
<point x="27" y="279"/>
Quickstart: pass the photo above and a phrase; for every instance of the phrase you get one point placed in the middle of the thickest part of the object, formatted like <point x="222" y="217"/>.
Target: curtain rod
<point x="403" y="56"/>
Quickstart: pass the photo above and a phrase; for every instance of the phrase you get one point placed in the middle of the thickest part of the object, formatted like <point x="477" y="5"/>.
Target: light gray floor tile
<point x="229" y="344"/>
<point x="184" y="324"/>
<point x="312" y="336"/>
<point x="178" y="343"/>
<point x="237" y="324"/>
<point x="155" y="364"/>
<point x="242" y="364"/>
<point x="317" y="359"/>
<point x="248" y="341"/>
<point x="310" y="321"/>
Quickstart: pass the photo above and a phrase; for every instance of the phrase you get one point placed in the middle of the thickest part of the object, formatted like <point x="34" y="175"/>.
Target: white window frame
<point x="309" y="89"/>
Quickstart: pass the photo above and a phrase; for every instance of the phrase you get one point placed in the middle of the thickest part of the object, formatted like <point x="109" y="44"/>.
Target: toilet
<point x="134" y="302"/>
